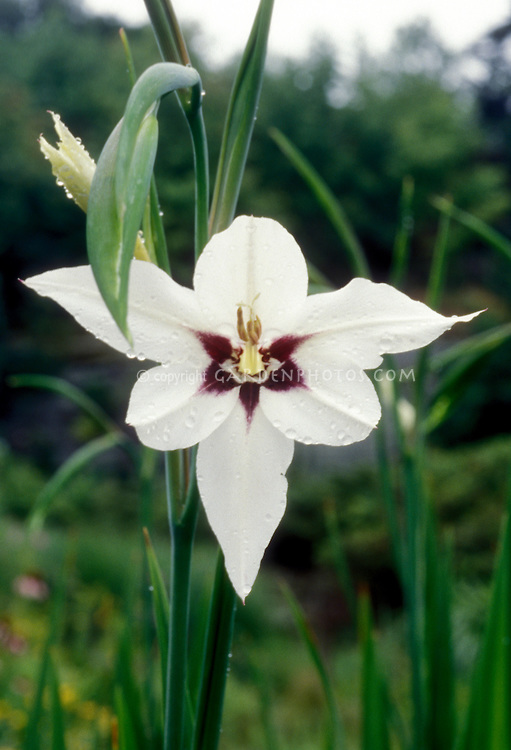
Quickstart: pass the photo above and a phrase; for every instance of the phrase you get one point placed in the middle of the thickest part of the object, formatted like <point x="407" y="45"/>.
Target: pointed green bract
<point x="121" y="184"/>
<point x="239" y="122"/>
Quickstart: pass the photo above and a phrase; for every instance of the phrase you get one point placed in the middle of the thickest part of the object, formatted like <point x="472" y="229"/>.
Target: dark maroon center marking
<point x="217" y="380"/>
<point x="219" y="348"/>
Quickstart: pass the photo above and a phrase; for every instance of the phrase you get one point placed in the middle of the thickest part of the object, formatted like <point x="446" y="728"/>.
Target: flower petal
<point x="160" y="312"/>
<point x="169" y="410"/>
<point x="333" y="403"/>
<point x="365" y="320"/>
<point x="240" y="472"/>
<point x="254" y="262"/>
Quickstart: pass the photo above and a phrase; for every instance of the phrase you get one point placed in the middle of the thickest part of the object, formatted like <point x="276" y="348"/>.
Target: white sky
<point x="226" y="23"/>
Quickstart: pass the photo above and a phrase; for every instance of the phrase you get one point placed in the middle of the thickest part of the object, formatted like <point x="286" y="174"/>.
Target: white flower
<point x="248" y="364"/>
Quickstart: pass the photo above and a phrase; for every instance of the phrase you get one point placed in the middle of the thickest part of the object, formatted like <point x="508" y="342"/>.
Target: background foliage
<point x="365" y="128"/>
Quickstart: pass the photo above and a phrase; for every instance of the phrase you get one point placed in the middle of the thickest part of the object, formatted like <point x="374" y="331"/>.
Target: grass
<point x="273" y="695"/>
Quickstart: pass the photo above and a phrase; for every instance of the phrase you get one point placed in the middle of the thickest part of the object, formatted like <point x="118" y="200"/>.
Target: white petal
<point x="240" y="472"/>
<point x="254" y="262"/>
<point x="169" y="410"/>
<point x="337" y="406"/>
<point x="364" y="320"/>
<point x="160" y="312"/>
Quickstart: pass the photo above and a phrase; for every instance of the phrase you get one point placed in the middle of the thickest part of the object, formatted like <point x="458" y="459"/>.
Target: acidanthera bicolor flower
<point x="248" y="363"/>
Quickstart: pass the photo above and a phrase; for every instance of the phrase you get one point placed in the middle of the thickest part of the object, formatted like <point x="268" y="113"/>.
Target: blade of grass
<point x="32" y="738"/>
<point x="65" y="473"/>
<point x="57" y="716"/>
<point x="131" y="722"/>
<point x="375" y="710"/>
<point x="401" y="250"/>
<point x="161" y="606"/>
<point x="125" y="734"/>
<point x="239" y="122"/>
<point x="334" y="739"/>
<point x="488" y="719"/>
<point x="215" y="661"/>
<point x="475" y="225"/>
<point x="471" y="347"/>
<point x="440" y="677"/>
<point x="71" y="392"/>
<point x="328" y="202"/>
<point x="339" y="556"/>
<point x="473" y="356"/>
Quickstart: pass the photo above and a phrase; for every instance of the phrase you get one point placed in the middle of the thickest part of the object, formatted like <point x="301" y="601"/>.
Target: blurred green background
<point x="413" y="113"/>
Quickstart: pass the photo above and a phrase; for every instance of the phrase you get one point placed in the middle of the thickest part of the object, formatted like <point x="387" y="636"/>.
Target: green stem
<point x="412" y="559"/>
<point x="216" y="660"/>
<point x="200" y="155"/>
<point x="182" y="518"/>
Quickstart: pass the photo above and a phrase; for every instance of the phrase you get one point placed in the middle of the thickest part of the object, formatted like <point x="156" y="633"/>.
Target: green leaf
<point x="328" y="202"/>
<point x="73" y="466"/>
<point x="121" y="184"/>
<point x="466" y="359"/>
<point x="401" y="250"/>
<point x="488" y="720"/>
<point x="334" y="736"/>
<point x="338" y="553"/>
<point x="215" y="662"/>
<point x="375" y="709"/>
<point x="161" y="606"/>
<point x="438" y="648"/>
<point x="32" y="739"/>
<point x="132" y="734"/>
<point x="239" y="122"/>
<point x="127" y="736"/>
<point x="71" y="392"/>
<point x="475" y="225"/>
<point x="57" y="716"/>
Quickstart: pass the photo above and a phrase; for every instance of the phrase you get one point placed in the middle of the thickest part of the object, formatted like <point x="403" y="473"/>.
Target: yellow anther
<point x="242" y="331"/>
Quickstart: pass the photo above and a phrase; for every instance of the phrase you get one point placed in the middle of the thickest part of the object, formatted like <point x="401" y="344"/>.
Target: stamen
<point x="242" y="331"/>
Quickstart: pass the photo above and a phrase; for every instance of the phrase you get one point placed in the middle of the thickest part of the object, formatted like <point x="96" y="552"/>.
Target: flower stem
<point x="182" y="519"/>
